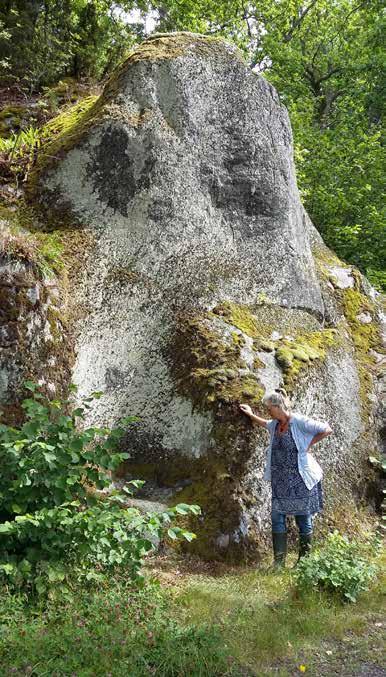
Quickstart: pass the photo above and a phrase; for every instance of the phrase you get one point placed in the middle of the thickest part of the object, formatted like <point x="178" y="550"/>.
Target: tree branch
<point x="296" y="22"/>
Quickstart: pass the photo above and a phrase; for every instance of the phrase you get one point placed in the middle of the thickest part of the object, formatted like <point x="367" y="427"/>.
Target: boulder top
<point x="159" y="46"/>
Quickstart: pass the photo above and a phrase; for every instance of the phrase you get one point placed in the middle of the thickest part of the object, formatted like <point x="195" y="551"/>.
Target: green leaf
<point x="50" y="458"/>
<point x="40" y="585"/>
<point x="16" y="508"/>
<point x="128" y="420"/>
<point x="137" y="483"/>
<point x="31" y="428"/>
<point x="181" y="509"/>
<point x="76" y="444"/>
<point x="30" y="385"/>
<point x="79" y="412"/>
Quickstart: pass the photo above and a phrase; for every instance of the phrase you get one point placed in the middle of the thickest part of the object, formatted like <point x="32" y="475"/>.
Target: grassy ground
<point x="201" y="621"/>
<point x="269" y="629"/>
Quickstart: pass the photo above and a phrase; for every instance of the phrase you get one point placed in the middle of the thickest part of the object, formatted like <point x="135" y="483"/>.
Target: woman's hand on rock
<point x="246" y="409"/>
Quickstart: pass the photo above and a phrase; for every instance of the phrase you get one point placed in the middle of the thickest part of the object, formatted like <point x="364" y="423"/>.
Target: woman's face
<point x="274" y="411"/>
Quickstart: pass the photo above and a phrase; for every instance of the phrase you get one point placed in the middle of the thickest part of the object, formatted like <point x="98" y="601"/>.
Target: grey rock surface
<point x="185" y="176"/>
<point x="30" y="310"/>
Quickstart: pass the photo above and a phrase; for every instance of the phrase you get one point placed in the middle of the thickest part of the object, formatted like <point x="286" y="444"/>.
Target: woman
<point x="294" y="473"/>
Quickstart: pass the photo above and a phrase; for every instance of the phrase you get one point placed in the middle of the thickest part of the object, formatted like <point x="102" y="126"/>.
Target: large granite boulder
<point x="206" y="284"/>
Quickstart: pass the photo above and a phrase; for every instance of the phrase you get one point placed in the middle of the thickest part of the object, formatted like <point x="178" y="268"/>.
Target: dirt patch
<point x="352" y="656"/>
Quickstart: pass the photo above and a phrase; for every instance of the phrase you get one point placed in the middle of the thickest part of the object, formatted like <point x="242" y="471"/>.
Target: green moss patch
<point x="58" y="255"/>
<point x="295" y="356"/>
<point x="61" y="134"/>
<point x="259" y="320"/>
<point x="240" y="316"/>
<point x="209" y="368"/>
<point x="325" y="259"/>
<point x="366" y="337"/>
<point x="48" y="252"/>
<point x="352" y="302"/>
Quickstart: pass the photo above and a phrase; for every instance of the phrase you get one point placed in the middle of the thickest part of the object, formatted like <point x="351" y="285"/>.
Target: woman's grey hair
<point x="278" y="398"/>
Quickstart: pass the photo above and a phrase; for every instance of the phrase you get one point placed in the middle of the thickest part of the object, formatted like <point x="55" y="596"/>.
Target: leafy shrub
<point x="51" y="512"/>
<point x="341" y="566"/>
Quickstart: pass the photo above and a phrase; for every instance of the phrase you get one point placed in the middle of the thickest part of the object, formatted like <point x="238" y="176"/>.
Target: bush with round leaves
<point x="54" y="515"/>
<point x="340" y="565"/>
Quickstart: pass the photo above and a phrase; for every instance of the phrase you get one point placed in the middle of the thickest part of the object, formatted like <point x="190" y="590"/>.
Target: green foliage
<point x="339" y="566"/>
<point x="20" y="143"/>
<point x="42" y="250"/>
<point x="326" y="62"/>
<point x="42" y="42"/>
<point x="17" y="153"/>
<point x="52" y="507"/>
<point x="20" y="152"/>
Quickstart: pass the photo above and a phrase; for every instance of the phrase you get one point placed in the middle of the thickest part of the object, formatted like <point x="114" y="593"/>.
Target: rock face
<point x="206" y="285"/>
<point x="30" y="311"/>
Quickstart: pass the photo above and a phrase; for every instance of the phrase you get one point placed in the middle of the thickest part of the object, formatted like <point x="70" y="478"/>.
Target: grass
<point x="270" y="629"/>
<point x="199" y="622"/>
<point x="263" y="621"/>
<point x="113" y="631"/>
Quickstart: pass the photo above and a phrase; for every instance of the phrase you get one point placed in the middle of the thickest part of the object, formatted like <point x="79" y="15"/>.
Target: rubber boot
<point x="279" y="543"/>
<point x="305" y="541"/>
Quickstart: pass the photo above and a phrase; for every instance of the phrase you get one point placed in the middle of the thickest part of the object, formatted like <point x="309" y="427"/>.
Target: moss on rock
<point x="292" y="354"/>
<point x="240" y="316"/>
<point x="36" y="290"/>
<point x="209" y="367"/>
<point x="296" y="355"/>
<point x="352" y="301"/>
<point x="61" y="134"/>
<point x="365" y="337"/>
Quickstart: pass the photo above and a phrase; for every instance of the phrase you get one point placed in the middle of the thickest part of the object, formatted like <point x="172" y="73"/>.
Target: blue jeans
<point x="304" y="523"/>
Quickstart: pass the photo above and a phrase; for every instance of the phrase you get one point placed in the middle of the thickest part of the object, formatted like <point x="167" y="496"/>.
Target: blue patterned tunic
<point x="289" y="493"/>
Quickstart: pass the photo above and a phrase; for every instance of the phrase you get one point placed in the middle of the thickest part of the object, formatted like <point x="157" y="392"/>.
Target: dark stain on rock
<point x="160" y="209"/>
<point x="120" y="168"/>
<point x="232" y="187"/>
